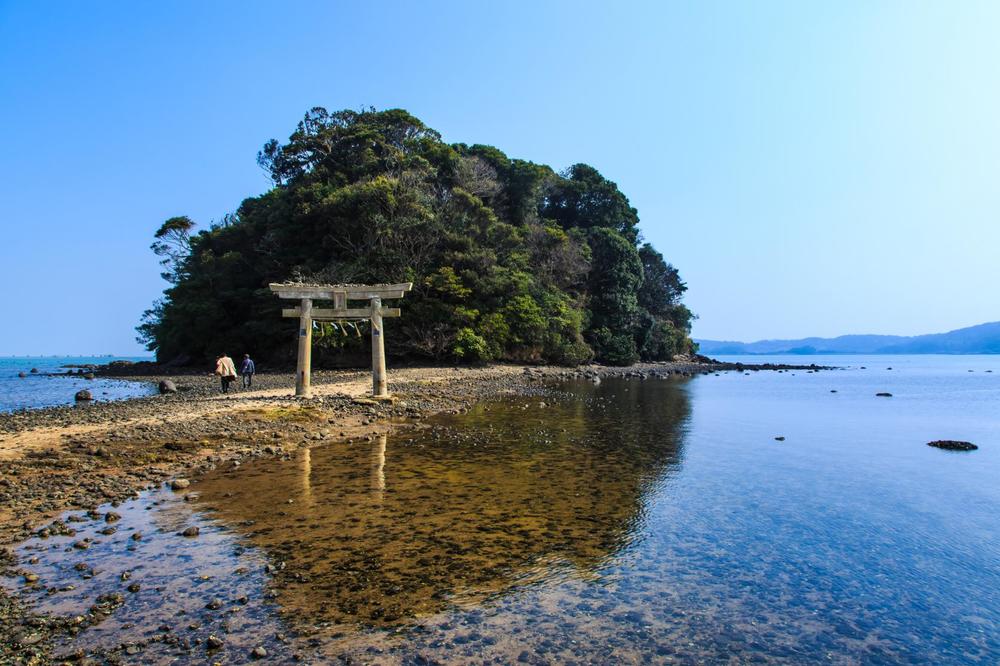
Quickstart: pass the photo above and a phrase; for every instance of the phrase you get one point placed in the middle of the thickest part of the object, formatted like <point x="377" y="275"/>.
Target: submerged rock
<point x="953" y="445"/>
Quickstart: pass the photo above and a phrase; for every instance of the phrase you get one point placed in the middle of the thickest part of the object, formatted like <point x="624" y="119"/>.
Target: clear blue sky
<point x="811" y="168"/>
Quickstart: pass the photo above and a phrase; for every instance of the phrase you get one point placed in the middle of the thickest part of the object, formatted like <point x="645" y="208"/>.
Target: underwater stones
<point x="111" y="517"/>
<point x="952" y="445"/>
<point x="258" y="653"/>
<point x="192" y="531"/>
<point x="214" y="604"/>
<point x="28" y="638"/>
<point x="213" y="642"/>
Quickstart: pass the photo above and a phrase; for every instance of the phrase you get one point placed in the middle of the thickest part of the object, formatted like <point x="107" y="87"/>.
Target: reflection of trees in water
<point x="386" y="531"/>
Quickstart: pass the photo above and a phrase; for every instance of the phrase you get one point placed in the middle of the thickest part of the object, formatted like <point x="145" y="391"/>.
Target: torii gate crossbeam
<point x="340" y="294"/>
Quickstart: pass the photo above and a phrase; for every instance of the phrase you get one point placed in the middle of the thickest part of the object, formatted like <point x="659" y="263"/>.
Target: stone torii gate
<point x="340" y="294"/>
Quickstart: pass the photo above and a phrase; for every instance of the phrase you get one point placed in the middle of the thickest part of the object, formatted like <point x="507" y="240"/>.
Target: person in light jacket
<point x="247" y="370"/>
<point x="226" y="370"/>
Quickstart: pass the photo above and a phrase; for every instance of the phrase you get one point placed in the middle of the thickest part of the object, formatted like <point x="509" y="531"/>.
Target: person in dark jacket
<point x="247" y="370"/>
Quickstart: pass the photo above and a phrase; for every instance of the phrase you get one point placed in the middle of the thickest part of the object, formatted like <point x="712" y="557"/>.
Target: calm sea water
<point x="653" y="521"/>
<point x="39" y="390"/>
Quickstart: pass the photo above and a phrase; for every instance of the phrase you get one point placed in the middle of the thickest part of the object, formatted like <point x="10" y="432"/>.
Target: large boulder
<point x="167" y="386"/>
<point x="83" y="396"/>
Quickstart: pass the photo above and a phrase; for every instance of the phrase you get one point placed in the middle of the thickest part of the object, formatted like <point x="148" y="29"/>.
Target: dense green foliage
<point x="509" y="259"/>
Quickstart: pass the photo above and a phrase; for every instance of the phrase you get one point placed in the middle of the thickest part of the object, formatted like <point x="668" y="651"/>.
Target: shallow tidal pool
<point x="630" y="521"/>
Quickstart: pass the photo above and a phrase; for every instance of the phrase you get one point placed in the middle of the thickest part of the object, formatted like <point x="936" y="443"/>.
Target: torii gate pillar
<point x="340" y="294"/>
<point x="379" y="385"/>
<point x="303" y="366"/>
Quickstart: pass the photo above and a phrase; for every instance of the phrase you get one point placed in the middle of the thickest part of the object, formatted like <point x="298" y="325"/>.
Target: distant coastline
<point x="980" y="339"/>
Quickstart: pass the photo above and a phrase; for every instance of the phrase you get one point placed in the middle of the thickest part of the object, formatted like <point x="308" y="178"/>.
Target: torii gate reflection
<point x="377" y="483"/>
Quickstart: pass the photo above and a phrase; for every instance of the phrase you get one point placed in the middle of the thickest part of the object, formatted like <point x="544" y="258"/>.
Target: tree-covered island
<point x="510" y="260"/>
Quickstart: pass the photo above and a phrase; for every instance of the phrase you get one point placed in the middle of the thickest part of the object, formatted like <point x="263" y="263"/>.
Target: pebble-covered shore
<point x="105" y="453"/>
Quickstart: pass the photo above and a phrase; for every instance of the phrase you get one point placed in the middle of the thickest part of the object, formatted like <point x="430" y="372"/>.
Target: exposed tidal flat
<point x="538" y="517"/>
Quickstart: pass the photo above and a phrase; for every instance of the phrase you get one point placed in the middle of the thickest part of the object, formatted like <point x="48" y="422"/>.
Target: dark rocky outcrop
<point x="952" y="445"/>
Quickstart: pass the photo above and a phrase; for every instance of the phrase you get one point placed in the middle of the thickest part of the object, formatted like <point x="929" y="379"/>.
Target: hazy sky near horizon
<point x="810" y="168"/>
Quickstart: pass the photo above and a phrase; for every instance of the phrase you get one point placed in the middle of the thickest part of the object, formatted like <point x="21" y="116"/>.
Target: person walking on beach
<point x="247" y="370"/>
<point x="226" y="370"/>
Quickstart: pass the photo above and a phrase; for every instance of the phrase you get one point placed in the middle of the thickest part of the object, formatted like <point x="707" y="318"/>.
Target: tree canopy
<point x="510" y="260"/>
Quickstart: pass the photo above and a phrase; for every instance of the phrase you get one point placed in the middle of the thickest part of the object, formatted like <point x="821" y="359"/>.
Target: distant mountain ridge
<point x="981" y="339"/>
